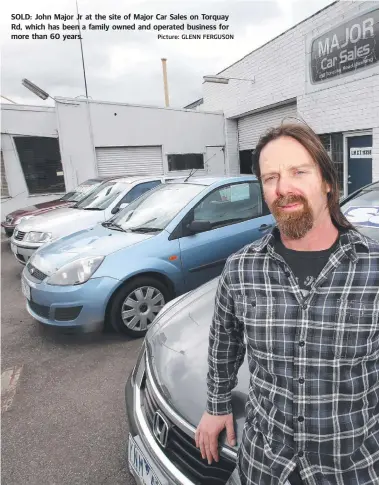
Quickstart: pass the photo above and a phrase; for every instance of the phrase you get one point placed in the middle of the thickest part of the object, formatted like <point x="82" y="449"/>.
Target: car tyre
<point x="148" y="295"/>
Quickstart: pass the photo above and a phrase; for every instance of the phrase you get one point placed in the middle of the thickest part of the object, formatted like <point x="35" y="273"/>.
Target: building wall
<point x="26" y="121"/>
<point x="83" y="127"/>
<point x="280" y="72"/>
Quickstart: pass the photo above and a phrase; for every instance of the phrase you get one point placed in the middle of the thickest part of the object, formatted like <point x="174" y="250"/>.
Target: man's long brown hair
<point x="312" y="143"/>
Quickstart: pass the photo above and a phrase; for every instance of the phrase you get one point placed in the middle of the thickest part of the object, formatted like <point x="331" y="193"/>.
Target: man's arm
<point x="225" y="356"/>
<point x="226" y="349"/>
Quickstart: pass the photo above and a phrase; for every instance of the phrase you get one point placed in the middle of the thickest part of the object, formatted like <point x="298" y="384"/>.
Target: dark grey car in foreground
<point x="166" y="393"/>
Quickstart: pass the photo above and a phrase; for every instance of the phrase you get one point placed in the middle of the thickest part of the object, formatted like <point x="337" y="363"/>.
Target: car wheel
<point x="136" y="305"/>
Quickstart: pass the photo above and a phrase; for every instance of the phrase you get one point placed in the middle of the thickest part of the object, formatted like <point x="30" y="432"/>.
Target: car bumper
<point x="81" y="307"/>
<point x="8" y="229"/>
<point x="155" y="459"/>
<point x="22" y="253"/>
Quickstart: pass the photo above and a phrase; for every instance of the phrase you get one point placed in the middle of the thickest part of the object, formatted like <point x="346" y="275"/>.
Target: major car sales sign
<point x="347" y="48"/>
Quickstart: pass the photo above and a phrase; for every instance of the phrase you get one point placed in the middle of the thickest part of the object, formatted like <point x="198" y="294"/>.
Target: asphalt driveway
<point x="63" y="416"/>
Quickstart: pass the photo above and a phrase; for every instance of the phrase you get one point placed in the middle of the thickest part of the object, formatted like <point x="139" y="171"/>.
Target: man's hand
<point x="208" y="431"/>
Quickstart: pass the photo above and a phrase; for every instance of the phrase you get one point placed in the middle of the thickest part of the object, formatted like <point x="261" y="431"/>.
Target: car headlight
<point x="38" y="237"/>
<point x="77" y="272"/>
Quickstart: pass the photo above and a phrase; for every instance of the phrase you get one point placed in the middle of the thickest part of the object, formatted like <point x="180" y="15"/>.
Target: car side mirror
<point x="199" y="226"/>
<point x="115" y="210"/>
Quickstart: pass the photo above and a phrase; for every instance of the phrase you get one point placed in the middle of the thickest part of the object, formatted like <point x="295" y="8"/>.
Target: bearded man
<point x="303" y="304"/>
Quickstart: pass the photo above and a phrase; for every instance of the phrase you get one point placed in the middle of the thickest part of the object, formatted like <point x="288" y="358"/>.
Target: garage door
<point x="251" y="127"/>
<point x="129" y="161"/>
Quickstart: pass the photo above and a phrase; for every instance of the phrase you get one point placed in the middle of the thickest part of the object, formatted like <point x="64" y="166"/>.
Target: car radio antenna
<point x="191" y="173"/>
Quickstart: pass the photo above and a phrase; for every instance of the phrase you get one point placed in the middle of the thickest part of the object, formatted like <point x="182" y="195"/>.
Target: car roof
<point x="208" y="180"/>
<point x="134" y="178"/>
<point x="205" y="180"/>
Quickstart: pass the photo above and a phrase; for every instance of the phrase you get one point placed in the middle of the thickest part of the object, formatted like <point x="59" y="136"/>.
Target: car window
<point x="103" y="196"/>
<point x="156" y="208"/>
<point x="363" y="211"/>
<point x="138" y="190"/>
<point x="81" y="191"/>
<point x="234" y="203"/>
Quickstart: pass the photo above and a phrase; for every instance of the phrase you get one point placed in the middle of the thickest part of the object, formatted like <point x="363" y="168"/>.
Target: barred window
<point x="4" y="183"/>
<point x="333" y="143"/>
<point x="40" y="161"/>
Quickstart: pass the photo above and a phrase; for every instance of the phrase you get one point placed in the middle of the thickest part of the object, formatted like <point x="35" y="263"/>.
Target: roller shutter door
<point x="251" y="127"/>
<point x="129" y="161"/>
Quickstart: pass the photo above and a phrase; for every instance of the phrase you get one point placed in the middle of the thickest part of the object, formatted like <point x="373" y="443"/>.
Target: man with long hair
<point x="303" y="303"/>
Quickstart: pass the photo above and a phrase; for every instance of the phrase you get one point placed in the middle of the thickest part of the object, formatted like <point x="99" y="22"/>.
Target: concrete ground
<point x="63" y="411"/>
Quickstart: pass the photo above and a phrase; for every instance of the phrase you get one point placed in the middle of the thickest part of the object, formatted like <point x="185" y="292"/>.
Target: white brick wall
<point x="375" y="154"/>
<point x="280" y="71"/>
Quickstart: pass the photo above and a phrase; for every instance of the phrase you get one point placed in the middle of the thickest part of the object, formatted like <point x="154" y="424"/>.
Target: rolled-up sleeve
<point x="226" y="349"/>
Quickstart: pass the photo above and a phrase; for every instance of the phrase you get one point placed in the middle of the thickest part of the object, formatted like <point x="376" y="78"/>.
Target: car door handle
<point x="264" y="227"/>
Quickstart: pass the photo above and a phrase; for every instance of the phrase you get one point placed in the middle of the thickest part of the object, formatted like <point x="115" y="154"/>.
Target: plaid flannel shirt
<point x="313" y="396"/>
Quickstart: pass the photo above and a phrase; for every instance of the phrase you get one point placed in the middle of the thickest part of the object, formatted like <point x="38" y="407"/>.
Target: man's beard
<point x="293" y="224"/>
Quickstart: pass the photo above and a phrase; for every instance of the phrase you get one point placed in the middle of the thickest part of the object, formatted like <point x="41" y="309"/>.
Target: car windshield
<point x="81" y="191"/>
<point x="103" y="195"/>
<point x="363" y="211"/>
<point x="156" y="209"/>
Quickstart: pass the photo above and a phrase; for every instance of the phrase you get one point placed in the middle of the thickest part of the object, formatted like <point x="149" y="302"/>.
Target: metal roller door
<point x="251" y="127"/>
<point x="129" y="161"/>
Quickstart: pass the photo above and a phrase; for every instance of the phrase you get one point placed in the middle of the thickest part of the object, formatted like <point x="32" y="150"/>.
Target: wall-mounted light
<point x="224" y="80"/>
<point x="35" y="89"/>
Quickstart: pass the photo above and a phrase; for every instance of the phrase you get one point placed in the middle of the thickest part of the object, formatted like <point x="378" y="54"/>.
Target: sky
<point x="125" y="66"/>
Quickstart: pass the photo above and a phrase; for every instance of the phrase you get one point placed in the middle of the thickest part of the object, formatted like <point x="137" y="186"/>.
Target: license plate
<point x="13" y="248"/>
<point x="139" y="463"/>
<point x="25" y="288"/>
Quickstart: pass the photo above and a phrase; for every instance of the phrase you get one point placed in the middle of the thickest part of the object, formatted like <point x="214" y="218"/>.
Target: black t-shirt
<point x="305" y="265"/>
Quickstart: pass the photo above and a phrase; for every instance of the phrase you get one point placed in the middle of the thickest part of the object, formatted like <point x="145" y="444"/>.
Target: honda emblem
<point x="160" y="429"/>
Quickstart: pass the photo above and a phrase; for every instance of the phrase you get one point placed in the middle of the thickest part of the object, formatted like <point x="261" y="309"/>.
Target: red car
<point x="69" y="199"/>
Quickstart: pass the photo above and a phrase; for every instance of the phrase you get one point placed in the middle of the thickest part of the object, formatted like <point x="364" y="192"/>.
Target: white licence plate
<point x="25" y="288"/>
<point x="13" y="248"/>
<point x="140" y="464"/>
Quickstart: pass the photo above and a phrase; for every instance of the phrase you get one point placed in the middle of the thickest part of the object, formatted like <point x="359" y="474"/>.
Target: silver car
<point x="166" y="392"/>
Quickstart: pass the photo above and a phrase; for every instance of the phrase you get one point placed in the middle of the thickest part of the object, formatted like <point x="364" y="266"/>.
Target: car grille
<point x="181" y="450"/>
<point x="36" y="273"/>
<point x="66" y="314"/>
<point x="19" y="235"/>
<point x="40" y="310"/>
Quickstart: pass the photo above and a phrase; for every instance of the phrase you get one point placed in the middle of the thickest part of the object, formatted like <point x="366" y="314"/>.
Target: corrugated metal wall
<point x="251" y="127"/>
<point x="129" y="160"/>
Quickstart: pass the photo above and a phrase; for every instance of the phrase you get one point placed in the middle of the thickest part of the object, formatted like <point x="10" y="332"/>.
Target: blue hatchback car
<point x="166" y="243"/>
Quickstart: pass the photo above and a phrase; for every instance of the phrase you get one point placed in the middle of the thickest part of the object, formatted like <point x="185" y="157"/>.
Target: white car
<point x="100" y="205"/>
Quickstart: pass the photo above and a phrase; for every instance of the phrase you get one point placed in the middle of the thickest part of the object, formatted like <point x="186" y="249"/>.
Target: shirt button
<point x="301" y="343"/>
<point x="300" y="454"/>
<point x="305" y="306"/>
<point x="301" y="380"/>
<point x="300" y="419"/>
<point x="253" y="304"/>
<point x="287" y="273"/>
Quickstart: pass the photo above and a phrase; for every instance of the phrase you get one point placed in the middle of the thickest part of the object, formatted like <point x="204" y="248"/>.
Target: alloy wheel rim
<point x="140" y="308"/>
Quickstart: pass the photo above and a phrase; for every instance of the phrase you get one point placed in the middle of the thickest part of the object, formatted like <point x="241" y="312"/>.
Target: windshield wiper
<point x="144" y="229"/>
<point x="92" y="209"/>
<point x="113" y="225"/>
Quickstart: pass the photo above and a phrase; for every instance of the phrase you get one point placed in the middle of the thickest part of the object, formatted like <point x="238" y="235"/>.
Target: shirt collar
<point x="349" y="239"/>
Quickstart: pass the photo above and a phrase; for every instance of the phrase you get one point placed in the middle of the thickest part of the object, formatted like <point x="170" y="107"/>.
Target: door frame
<point x="346" y="136"/>
<point x="215" y="146"/>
